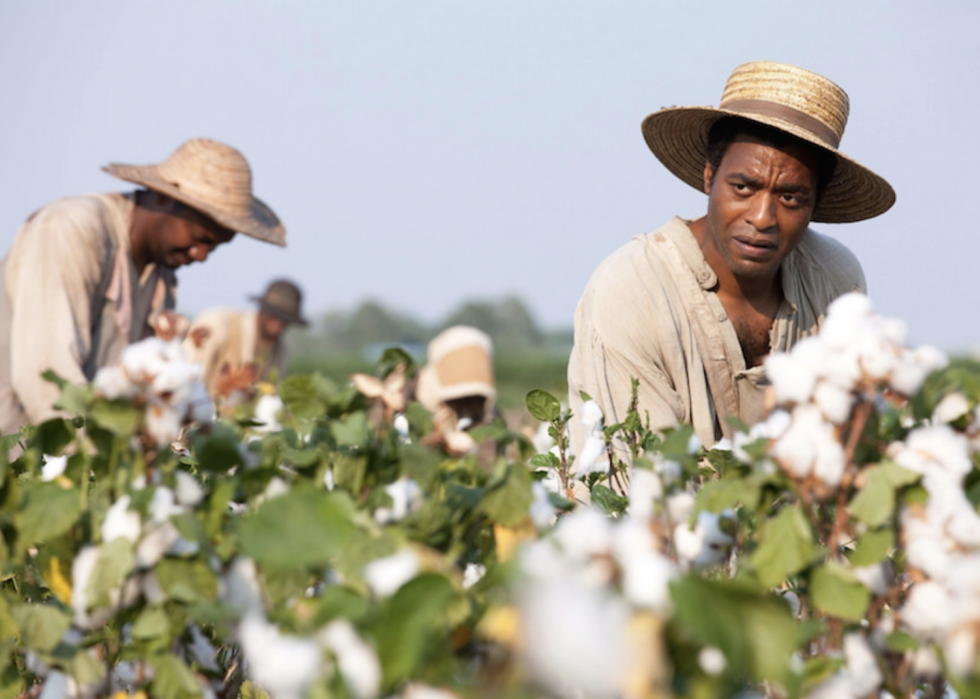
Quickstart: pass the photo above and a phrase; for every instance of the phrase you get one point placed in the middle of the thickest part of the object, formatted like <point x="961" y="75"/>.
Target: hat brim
<point x="678" y="136"/>
<point x="285" y="316"/>
<point x="262" y="223"/>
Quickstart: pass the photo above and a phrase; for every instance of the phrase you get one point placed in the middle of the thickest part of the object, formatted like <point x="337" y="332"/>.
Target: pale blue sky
<point x="423" y="153"/>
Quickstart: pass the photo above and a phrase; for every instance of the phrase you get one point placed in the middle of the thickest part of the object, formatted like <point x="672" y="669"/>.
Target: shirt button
<point x="703" y="276"/>
<point x="722" y="317"/>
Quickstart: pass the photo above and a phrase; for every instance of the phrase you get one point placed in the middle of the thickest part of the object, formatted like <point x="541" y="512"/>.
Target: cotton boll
<point x="960" y="650"/>
<point x="839" y="686"/>
<point x="282" y="665"/>
<point x="592" y="417"/>
<point x="400" y="423"/>
<point x="574" y="638"/>
<point x="797" y="449"/>
<point x="925" y="662"/>
<point x="145" y="359"/>
<point x="157" y="541"/>
<point x="705" y="545"/>
<point x="121" y="522"/>
<point x="81" y="571"/>
<point x="406" y="496"/>
<point x="862" y="665"/>
<point x="473" y="573"/>
<point x="830" y="462"/>
<point x="386" y="575"/>
<point x="357" y="661"/>
<point x="693" y="444"/>
<point x="951" y="408"/>
<point x="189" y="491"/>
<point x="163" y="423"/>
<point x="712" y="661"/>
<point x="645" y="490"/>
<point x="928" y="610"/>
<point x="593" y="457"/>
<point x="834" y="402"/>
<point x="113" y="383"/>
<point x="273" y="489"/>
<point x="680" y="506"/>
<point x="267" y="410"/>
<point x="53" y="467"/>
<point x="645" y="580"/>
<point x="940" y="445"/>
<point x="542" y="512"/>
<point x="584" y="533"/>
<point x="876" y="577"/>
<point x="239" y="587"/>
<point x="57" y="685"/>
<point x="164" y="505"/>
<point x="792" y="382"/>
<point x="200" y="406"/>
<point x="543" y="442"/>
<point x="927" y="550"/>
<point x="202" y="650"/>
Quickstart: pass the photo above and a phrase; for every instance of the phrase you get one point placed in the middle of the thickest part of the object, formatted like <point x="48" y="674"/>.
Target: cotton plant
<point x="156" y="375"/>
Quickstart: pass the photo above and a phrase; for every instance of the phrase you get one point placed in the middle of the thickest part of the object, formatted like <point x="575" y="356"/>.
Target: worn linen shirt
<point x="232" y="339"/>
<point x="651" y="311"/>
<point x="71" y="300"/>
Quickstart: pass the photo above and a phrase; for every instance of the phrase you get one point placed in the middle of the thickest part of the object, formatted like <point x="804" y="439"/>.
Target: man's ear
<point x="709" y="175"/>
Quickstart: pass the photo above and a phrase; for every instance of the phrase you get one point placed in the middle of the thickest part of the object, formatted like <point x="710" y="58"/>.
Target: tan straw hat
<point x="213" y="178"/>
<point x="460" y="364"/>
<point x="284" y="300"/>
<point x="801" y="103"/>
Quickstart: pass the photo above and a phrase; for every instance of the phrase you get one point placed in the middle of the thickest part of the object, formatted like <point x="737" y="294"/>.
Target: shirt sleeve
<point x="616" y="340"/>
<point x="58" y="265"/>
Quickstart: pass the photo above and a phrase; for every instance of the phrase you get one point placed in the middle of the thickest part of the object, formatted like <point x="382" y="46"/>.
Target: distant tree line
<point x="508" y="321"/>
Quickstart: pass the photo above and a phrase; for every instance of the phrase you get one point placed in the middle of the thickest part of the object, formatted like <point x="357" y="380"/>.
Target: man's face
<point x="759" y="205"/>
<point x="187" y="236"/>
<point x="270" y="326"/>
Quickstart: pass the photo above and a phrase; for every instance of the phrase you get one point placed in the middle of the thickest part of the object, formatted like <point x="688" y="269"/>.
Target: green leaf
<point x="74" y="398"/>
<point x="41" y="625"/>
<point x="252" y="691"/>
<point x="85" y="668"/>
<point x="188" y="581"/>
<point x="218" y="451"/>
<point x="47" y="511"/>
<point x="543" y="406"/>
<point x="116" y="560"/>
<point x="835" y="591"/>
<point x="900" y="641"/>
<point x="152" y="623"/>
<point x="352" y="430"/>
<point x="420" y="463"/>
<point x="409" y="625"/>
<point x="873" y="547"/>
<point x="53" y="435"/>
<point x="726" y="493"/>
<point x="300" y="395"/>
<point x="301" y="527"/>
<point x="875" y="502"/>
<point x="609" y="501"/>
<point x="509" y="501"/>
<point x="786" y="546"/>
<point x="173" y="679"/>
<point x="755" y="631"/>
<point x="118" y="417"/>
<point x="546" y="460"/>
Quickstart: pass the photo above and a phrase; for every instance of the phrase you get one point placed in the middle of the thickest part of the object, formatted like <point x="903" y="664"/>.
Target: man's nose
<point x="762" y="211"/>
<point x="199" y="253"/>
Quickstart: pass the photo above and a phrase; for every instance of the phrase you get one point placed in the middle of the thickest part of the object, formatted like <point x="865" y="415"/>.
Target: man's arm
<point x="56" y="267"/>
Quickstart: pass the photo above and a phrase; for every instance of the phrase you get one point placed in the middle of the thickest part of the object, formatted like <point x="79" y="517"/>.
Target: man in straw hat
<point x="225" y="341"/>
<point x="85" y="275"/>
<point x="459" y="376"/>
<point x="692" y="309"/>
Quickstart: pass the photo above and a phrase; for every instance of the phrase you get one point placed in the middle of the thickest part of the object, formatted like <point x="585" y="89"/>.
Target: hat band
<point x="773" y="110"/>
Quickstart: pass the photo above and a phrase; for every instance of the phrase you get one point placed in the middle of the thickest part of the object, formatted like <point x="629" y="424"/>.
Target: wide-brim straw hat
<point x="212" y="178"/>
<point x="282" y="299"/>
<point x="459" y="364"/>
<point x="803" y="104"/>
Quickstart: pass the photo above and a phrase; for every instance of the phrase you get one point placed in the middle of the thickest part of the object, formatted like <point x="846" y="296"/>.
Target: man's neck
<point x="139" y="234"/>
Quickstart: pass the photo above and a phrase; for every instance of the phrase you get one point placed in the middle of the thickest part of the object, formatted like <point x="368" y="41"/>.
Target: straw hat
<point x="801" y="103"/>
<point x="282" y="299"/>
<point x="460" y="364"/>
<point x="213" y="178"/>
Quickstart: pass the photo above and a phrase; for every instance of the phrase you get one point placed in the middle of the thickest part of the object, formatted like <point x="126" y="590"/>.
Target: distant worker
<point x="459" y="375"/>
<point x="86" y="275"/>
<point x="226" y="341"/>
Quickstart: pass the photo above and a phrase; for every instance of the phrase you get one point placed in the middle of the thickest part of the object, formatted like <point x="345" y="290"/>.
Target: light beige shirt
<point x="232" y="338"/>
<point x="651" y="311"/>
<point x="71" y="300"/>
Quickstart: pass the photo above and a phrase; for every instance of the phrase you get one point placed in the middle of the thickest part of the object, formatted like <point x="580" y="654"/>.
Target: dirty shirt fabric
<point x="651" y="311"/>
<point x="71" y="300"/>
<point x="231" y="340"/>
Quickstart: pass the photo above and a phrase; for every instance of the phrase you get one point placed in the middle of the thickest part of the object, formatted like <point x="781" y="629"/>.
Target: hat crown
<point x="282" y="295"/>
<point x="211" y="172"/>
<point x="801" y="99"/>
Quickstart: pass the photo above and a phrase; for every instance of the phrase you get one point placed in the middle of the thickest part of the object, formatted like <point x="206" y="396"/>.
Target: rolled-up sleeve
<point x="57" y="267"/>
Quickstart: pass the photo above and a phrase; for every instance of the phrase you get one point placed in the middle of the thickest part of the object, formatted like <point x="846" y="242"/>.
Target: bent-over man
<point x="692" y="309"/>
<point x="86" y="274"/>
<point x="224" y="340"/>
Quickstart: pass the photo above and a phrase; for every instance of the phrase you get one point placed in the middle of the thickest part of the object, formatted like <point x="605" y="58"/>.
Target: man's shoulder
<point x="639" y="257"/>
<point x="824" y="256"/>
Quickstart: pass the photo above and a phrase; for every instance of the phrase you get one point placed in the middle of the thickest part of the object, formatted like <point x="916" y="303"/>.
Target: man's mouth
<point x="754" y="247"/>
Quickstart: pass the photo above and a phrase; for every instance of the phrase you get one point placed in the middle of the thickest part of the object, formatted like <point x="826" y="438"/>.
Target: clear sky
<point x="424" y="153"/>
